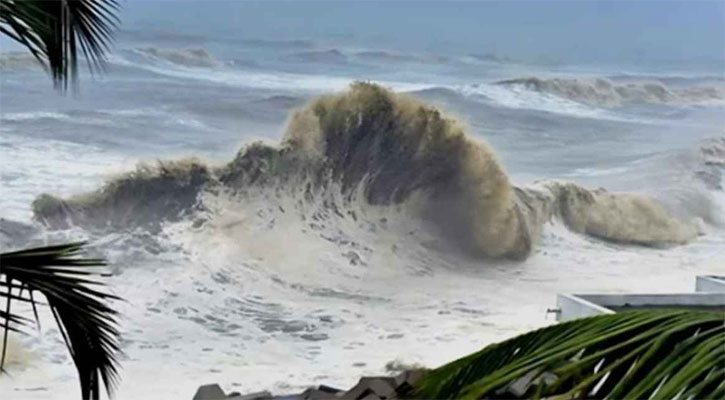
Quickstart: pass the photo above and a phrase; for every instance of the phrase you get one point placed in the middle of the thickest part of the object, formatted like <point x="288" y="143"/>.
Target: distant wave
<point x="30" y="116"/>
<point x="387" y="150"/>
<point x="280" y="101"/>
<point x="105" y="118"/>
<point x="517" y="98"/>
<point x="223" y="74"/>
<point x="64" y="117"/>
<point x="669" y="79"/>
<point x="385" y="56"/>
<point x="490" y="57"/>
<point x="184" y="38"/>
<point x="197" y="57"/>
<point x="332" y="56"/>
<point x="275" y="44"/>
<point x="337" y="56"/>
<point x="440" y="93"/>
<point x="187" y="57"/>
<point x="604" y="92"/>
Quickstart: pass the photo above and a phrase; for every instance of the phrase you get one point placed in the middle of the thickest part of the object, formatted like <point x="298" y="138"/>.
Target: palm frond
<point x="84" y="319"/>
<point x="56" y="31"/>
<point x="633" y="355"/>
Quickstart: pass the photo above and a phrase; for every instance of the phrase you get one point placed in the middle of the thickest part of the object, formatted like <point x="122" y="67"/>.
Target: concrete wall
<point x="710" y="291"/>
<point x="572" y="306"/>
<point x="659" y="299"/>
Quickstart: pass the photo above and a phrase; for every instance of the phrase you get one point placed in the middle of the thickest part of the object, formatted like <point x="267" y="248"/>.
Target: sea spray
<point x="388" y="150"/>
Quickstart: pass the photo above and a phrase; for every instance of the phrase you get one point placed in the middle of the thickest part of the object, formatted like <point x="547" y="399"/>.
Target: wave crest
<point x="147" y="196"/>
<point x="396" y="149"/>
<point x="618" y="217"/>
<point x="388" y="150"/>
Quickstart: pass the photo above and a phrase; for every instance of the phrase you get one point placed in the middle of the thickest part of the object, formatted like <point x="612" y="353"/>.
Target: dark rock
<point x="405" y="382"/>
<point x="367" y="388"/>
<point x="288" y="397"/>
<point x="329" y="389"/>
<point x="264" y="395"/>
<point x="320" y="393"/>
<point x="210" y="392"/>
<point x="314" y="337"/>
<point x="372" y="388"/>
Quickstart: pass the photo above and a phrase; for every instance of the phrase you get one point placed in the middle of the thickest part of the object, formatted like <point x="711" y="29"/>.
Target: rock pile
<point x="367" y="388"/>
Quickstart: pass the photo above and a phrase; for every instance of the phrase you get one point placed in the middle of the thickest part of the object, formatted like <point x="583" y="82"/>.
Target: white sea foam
<point x="29" y="116"/>
<point x="34" y="166"/>
<point x="273" y="275"/>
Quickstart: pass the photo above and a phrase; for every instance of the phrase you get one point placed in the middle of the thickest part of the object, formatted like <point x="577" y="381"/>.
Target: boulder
<point x="370" y="388"/>
<point x="210" y="392"/>
<point x="263" y="395"/>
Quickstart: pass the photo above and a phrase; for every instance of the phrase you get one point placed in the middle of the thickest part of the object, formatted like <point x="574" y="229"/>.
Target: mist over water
<point x="273" y="224"/>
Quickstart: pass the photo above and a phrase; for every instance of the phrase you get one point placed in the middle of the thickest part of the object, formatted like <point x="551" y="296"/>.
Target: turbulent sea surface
<point x="265" y="237"/>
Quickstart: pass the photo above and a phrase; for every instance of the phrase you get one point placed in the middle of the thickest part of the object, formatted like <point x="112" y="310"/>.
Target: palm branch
<point x="631" y="355"/>
<point x="54" y="30"/>
<point x="84" y="319"/>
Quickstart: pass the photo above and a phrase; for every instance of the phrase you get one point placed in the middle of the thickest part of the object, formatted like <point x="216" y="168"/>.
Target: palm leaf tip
<point x="87" y="324"/>
<point x="56" y="31"/>
<point x="638" y="354"/>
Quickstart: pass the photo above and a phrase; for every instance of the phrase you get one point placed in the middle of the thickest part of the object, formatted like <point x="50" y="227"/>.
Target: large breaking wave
<point x="388" y="151"/>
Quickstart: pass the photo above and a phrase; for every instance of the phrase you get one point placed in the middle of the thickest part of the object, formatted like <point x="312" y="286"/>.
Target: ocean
<point x="456" y="174"/>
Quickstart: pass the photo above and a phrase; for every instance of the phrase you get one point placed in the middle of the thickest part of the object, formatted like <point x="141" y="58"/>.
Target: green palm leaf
<point x="637" y="355"/>
<point x="56" y="31"/>
<point x="84" y="319"/>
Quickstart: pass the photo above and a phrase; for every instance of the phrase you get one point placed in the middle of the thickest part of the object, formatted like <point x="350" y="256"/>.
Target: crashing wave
<point x="147" y="196"/>
<point x="713" y="151"/>
<point x="603" y="92"/>
<point x="197" y="57"/>
<point x="389" y="150"/>
<point x="712" y="171"/>
<point x="617" y="217"/>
